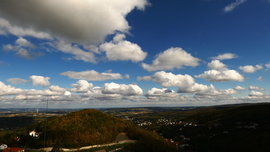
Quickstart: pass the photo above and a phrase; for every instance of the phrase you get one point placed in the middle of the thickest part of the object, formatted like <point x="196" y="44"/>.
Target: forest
<point x="244" y="127"/>
<point x="222" y="129"/>
<point x="84" y="128"/>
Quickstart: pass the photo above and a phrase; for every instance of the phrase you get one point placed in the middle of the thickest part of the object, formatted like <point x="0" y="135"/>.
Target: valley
<point x="241" y="127"/>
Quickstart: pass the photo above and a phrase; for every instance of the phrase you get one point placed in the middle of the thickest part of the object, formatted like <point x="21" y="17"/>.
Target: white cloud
<point x="225" y="56"/>
<point x="77" y="21"/>
<point x="28" y="97"/>
<point x="23" y="42"/>
<point x="23" y="53"/>
<point x="8" y="47"/>
<point x="268" y="66"/>
<point x="123" y="89"/>
<point x="20" y="49"/>
<point x="169" y="79"/>
<point x="216" y="65"/>
<point x="197" y="88"/>
<point x="120" y="49"/>
<point x="219" y="73"/>
<point x="250" y="68"/>
<point x="81" y="86"/>
<point x="256" y="93"/>
<point x="39" y="93"/>
<point x="9" y="90"/>
<point x="256" y="88"/>
<point x="40" y="80"/>
<point x="17" y="81"/>
<point x="213" y="92"/>
<point x="77" y="52"/>
<point x="221" y="76"/>
<point x="260" y="78"/>
<point x="119" y="37"/>
<point x="170" y="59"/>
<point x="92" y="75"/>
<point x="164" y="92"/>
<point x="185" y="83"/>
<point x="239" y="88"/>
<point x="56" y="88"/>
<point x="232" y="6"/>
<point x="67" y="93"/>
<point x="97" y="94"/>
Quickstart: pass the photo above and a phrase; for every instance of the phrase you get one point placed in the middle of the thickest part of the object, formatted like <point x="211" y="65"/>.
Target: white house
<point x="33" y="134"/>
<point x="3" y="146"/>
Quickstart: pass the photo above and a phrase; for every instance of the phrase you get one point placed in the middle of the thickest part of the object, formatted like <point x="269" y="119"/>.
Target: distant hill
<point x="237" y="128"/>
<point x="91" y="127"/>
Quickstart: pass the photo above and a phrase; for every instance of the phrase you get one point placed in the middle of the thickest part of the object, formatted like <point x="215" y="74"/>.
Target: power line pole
<point x="44" y="143"/>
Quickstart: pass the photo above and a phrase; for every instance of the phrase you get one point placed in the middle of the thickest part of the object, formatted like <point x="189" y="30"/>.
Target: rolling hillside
<point x="90" y="127"/>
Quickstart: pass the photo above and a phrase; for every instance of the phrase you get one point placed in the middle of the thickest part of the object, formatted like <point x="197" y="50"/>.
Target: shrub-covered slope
<point x="244" y="128"/>
<point x="90" y="127"/>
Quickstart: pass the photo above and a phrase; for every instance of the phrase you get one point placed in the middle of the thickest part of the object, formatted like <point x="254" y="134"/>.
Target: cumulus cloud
<point x="218" y="72"/>
<point x="17" y="81"/>
<point x="77" y="52"/>
<point x="77" y="21"/>
<point x="92" y="75"/>
<point x="268" y="66"/>
<point x="216" y="65"/>
<point x="256" y="93"/>
<point x="39" y="93"/>
<point x="96" y="93"/>
<point x="232" y="6"/>
<point x="8" y="47"/>
<point x="250" y="68"/>
<point x="119" y="37"/>
<point x="23" y="53"/>
<point x="239" y="88"/>
<point x="169" y="79"/>
<point x="260" y="78"/>
<point x="185" y="83"/>
<point x="81" y="86"/>
<point x="123" y="89"/>
<point x="67" y="93"/>
<point x="164" y="92"/>
<point x="170" y="59"/>
<point x="120" y="49"/>
<point x="23" y="42"/>
<point x="40" y="80"/>
<point x="20" y="49"/>
<point x="256" y="88"/>
<point x="225" y="56"/>
<point x="214" y="92"/>
<point x="221" y="76"/>
<point x="9" y="90"/>
<point x="56" y="88"/>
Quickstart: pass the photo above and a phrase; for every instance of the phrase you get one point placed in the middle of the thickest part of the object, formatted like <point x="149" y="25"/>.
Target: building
<point x="34" y="134"/>
<point x="13" y="149"/>
<point x="3" y="146"/>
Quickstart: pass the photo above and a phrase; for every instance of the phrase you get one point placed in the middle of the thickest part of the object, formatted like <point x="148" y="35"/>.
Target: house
<point x="13" y="149"/>
<point x="34" y="134"/>
<point x="3" y="146"/>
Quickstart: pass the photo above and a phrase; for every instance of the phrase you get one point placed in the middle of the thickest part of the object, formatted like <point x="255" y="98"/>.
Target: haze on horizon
<point x="136" y="53"/>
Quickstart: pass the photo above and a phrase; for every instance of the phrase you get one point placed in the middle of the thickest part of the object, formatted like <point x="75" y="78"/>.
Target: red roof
<point x="13" y="149"/>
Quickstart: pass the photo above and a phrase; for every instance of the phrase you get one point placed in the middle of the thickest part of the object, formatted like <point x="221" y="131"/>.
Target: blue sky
<point x="99" y="54"/>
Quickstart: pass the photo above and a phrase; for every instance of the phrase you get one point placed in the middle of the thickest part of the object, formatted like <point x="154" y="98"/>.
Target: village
<point x="181" y="129"/>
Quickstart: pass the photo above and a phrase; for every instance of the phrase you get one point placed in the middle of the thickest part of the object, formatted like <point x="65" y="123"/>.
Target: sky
<point x="135" y="53"/>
